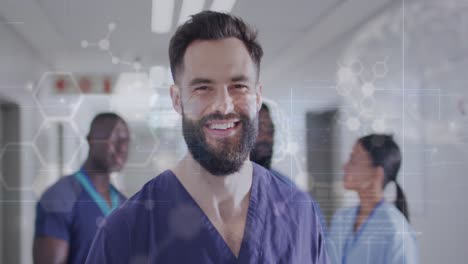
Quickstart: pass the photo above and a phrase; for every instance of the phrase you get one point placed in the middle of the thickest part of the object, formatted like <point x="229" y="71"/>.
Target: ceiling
<point x="288" y="30"/>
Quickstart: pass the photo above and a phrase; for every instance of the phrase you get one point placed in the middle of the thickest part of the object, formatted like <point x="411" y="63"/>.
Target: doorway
<point x="321" y="156"/>
<point x="10" y="207"/>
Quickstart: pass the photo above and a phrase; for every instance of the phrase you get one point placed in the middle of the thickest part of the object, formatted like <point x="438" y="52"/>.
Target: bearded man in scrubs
<point x="215" y="205"/>
<point x="70" y="211"/>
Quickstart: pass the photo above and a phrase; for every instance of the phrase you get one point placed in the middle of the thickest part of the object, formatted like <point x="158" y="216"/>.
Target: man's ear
<point x="259" y="96"/>
<point x="176" y="99"/>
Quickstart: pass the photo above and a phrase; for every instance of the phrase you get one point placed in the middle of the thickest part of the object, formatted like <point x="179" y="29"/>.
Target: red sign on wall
<point x="85" y="84"/>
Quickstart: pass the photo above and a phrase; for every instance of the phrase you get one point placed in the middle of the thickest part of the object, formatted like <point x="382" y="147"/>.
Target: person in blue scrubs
<point x="262" y="153"/>
<point x="375" y="231"/>
<point x="215" y="205"/>
<point x="70" y="211"/>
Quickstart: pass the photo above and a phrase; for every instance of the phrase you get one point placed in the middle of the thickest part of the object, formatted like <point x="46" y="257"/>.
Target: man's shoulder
<point x="63" y="185"/>
<point x="132" y="229"/>
<point x="286" y="205"/>
<point x="158" y="188"/>
<point x="62" y="195"/>
<point x="282" y="194"/>
<point x="278" y="186"/>
<point x="281" y="176"/>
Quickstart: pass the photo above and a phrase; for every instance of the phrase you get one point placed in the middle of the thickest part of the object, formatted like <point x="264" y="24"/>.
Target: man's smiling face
<point x="218" y="95"/>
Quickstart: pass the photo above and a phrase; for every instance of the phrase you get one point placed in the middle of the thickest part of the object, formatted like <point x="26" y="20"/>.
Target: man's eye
<point x="240" y="86"/>
<point x="201" y="88"/>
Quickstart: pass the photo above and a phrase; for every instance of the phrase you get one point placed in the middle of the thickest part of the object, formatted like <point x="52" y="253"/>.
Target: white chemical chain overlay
<point x="104" y="44"/>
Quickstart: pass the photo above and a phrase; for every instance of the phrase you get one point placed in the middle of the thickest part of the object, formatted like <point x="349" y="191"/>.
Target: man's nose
<point x="223" y="102"/>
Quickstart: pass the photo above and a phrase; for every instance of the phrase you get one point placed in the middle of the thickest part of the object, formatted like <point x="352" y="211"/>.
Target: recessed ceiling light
<point x="161" y="16"/>
<point x="190" y="7"/>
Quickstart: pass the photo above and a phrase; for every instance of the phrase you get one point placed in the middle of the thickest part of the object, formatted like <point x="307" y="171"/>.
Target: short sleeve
<point x="54" y="211"/>
<point x="53" y="219"/>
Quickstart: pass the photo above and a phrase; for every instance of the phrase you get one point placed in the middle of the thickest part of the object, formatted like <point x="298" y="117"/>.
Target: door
<point x="10" y="206"/>
<point x="321" y="156"/>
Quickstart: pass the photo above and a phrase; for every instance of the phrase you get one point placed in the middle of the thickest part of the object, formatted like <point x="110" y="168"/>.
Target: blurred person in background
<point x="70" y="211"/>
<point x="375" y="231"/>
<point x="262" y="153"/>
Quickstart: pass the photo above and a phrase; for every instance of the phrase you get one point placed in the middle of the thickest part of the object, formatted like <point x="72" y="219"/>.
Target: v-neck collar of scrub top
<point x="354" y="237"/>
<point x="249" y="241"/>
<point x="86" y="183"/>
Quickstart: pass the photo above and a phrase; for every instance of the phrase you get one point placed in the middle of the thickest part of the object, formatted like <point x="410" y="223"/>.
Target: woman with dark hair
<point x="375" y="231"/>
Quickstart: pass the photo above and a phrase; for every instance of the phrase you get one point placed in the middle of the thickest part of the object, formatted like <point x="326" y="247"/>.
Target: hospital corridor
<point x="233" y="131"/>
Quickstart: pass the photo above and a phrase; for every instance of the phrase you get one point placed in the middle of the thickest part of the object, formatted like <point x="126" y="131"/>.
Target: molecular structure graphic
<point x="104" y="44"/>
<point x="357" y="84"/>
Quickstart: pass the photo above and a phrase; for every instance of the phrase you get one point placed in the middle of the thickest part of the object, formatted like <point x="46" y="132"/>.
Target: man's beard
<point x="262" y="153"/>
<point x="230" y="154"/>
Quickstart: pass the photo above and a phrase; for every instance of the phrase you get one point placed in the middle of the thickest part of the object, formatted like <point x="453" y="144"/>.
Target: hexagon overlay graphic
<point x="58" y="142"/>
<point x="58" y="94"/>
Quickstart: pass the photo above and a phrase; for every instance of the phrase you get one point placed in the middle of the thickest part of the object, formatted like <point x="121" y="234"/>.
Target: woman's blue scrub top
<point x="385" y="237"/>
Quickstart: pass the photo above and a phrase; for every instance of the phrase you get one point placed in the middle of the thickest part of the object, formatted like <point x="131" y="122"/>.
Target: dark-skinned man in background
<point x="70" y="211"/>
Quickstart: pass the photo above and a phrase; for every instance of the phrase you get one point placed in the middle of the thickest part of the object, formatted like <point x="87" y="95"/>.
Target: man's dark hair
<point x="104" y="117"/>
<point x="209" y="25"/>
<point x="270" y="128"/>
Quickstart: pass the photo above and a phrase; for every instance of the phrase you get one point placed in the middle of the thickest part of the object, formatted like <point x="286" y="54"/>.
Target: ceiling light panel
<point x="161" y="16"/>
